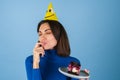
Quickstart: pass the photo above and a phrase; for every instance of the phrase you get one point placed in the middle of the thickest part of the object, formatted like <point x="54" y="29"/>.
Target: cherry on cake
<point x="74" y="68"/>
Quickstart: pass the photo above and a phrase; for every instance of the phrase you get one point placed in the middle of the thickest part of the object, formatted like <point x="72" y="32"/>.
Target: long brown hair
<point x="62" y="47"/>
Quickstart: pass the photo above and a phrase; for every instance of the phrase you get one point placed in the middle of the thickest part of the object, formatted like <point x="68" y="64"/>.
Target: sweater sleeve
<point x="32" y="74"/>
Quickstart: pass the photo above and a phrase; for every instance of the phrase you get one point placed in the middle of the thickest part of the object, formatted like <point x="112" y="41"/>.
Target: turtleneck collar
<point x="50" y="53"/>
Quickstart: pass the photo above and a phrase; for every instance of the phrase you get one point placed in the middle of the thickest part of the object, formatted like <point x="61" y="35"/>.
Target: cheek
<point x="52" y="41"/>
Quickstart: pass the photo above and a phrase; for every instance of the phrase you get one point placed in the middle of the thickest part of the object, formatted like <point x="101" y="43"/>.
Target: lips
<point x="43" y="43"/>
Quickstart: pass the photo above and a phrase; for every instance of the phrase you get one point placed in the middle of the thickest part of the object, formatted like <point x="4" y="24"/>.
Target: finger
<point x="84" y="79"/>
<point x="38" y="41"/>
<point x="37" y="45"/>
<point x="87" y="79"/>
<point x="41" y="54"/>
<point x="87" y="71"/>
<point x="39" y="50"/>
<point x="40" y="44"/>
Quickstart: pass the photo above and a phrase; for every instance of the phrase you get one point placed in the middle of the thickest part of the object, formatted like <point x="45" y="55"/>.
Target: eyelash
<point x="45" y="33"/>
<point x="39" y="34"/>
<point x="48" y="33"/>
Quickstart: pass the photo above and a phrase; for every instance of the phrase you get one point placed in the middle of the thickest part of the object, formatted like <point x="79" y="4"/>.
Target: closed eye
<point x="39" y="34"/>
<point x="48" y="32"/>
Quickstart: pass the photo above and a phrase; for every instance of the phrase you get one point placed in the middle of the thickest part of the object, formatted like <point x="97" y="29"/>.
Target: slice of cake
<point x="74" y="68"/>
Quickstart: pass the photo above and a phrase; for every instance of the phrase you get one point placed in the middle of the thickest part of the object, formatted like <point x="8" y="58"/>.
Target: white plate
<point x="64" y="71"/>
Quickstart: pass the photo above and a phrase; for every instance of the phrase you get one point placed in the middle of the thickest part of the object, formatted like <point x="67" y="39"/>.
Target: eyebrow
<point x="46" y="30"/>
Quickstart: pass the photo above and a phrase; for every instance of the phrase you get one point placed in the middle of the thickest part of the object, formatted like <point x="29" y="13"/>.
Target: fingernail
<point x="40" y="55"/>
<point x="40" y="45"/>
<point x="38" y="41"/>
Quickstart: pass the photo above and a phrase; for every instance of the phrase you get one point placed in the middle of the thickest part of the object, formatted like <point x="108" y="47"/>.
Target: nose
<point x="42" y="38"/>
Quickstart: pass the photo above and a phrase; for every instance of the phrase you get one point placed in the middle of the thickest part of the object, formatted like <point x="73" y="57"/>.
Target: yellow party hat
<point x="50" y="14"/>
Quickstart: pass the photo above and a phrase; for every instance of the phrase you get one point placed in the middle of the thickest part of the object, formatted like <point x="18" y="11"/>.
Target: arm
<point x="32" y="74"/>
<point x="32" y="63"/>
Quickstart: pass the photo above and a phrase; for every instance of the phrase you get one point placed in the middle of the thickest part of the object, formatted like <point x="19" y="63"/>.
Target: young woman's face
<point x="46" y="37"/>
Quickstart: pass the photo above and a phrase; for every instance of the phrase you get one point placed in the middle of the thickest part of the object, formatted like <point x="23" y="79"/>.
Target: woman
<point x="50" y="52"/>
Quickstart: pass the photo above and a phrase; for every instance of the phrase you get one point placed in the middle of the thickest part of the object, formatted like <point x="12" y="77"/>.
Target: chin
<point x="46" y="48"/>
<point x="49" y="47"/>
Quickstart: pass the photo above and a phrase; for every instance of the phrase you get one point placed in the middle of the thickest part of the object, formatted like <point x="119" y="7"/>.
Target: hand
<point x="87" y="71"/>
<point x="37" y="52"/>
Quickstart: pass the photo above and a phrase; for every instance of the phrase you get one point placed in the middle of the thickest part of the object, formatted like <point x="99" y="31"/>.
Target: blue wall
<point x="93" y="27"/>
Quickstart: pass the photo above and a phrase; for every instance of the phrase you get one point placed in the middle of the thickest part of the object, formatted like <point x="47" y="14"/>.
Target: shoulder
<point x="29" y="59"/>
<point x="73" y="59"/>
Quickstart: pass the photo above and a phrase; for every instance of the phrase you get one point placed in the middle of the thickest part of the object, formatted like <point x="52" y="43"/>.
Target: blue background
<point x="93" y="27"/>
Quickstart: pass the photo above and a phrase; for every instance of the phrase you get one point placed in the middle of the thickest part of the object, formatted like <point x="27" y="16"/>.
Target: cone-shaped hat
<point x="50" y="14"/>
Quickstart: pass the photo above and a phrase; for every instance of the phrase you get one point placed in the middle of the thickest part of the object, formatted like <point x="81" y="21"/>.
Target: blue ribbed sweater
<point x="49" y="65"/>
